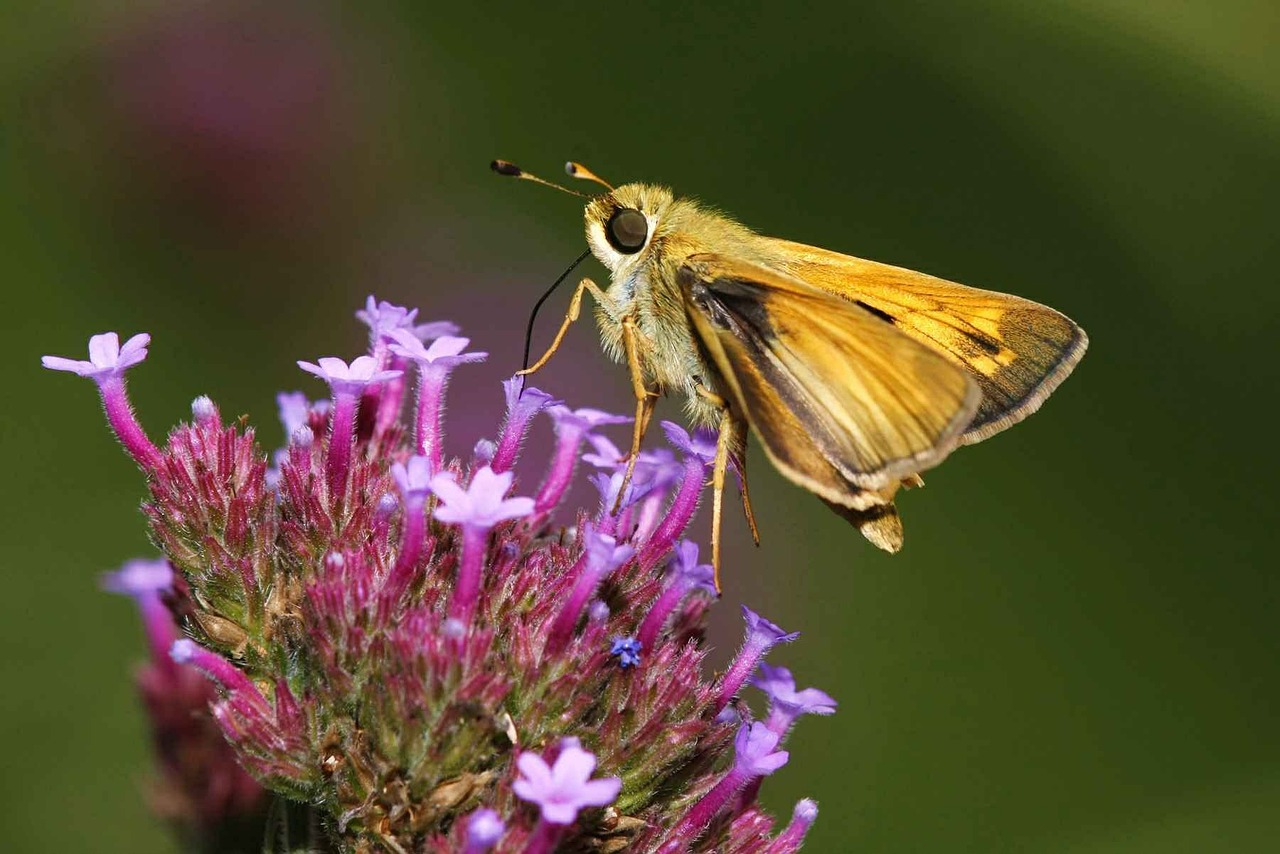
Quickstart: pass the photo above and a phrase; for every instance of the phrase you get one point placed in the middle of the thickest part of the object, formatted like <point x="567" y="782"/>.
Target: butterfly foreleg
<point x="646" y="400"/>
<point x="575" y="310"/>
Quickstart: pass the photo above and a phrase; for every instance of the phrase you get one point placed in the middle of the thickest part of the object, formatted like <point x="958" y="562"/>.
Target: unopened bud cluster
<point x="431" y="653"/>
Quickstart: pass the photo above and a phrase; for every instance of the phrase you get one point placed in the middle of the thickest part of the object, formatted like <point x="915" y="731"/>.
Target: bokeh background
<point x="1075" y="653"/>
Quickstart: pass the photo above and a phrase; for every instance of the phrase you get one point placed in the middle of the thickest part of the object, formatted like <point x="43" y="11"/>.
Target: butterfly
<point x="855" y="376"/>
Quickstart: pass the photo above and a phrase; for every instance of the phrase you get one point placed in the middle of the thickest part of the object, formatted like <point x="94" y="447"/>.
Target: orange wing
<point x="841" y="401"/>
<point x="1017" y="350"/>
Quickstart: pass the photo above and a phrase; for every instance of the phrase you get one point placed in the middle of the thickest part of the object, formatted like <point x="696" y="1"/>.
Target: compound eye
<point x="627" y="230"/>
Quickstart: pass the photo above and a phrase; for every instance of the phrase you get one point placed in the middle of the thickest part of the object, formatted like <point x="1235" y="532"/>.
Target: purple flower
<point x="522" y="404"/>
<point x="484" y="829"/>
<point x="421" y="593"/>
<point x="413" y="478"/>
<point x="445" y="351"/>
<point x="685" y="569"/>
<point x="601" y="555"/>
<point x="572" y="426"/>
<point x="702" y="444"/>
<point x="763" y="632"/>
<point x="347" y="382"/>
<point x="348" y="379"/>
<point x="435" y="329"/>
<point x="642" y="483"/>
<point x="605" y="554"/>
<point x="583" y="420"/>
<point x="295" y="410"/>
<point x="106" y="356"/>
<point x="802" y="818"/>
<point x="146" y="581"/>
<point x="382" y="317"/>
<point x="477" y="509"/>
<point x="762" y="636"/>
<point x="756" y="750"/>
<point x="483" y="503"/>
<point x="627" y="651"/>
<point x="605" y="455"/>
<point x="785" y="702"/>
<point x="755" y="756"/>
<point x="106" y="366"/>
<point x="140" y="577"/>
<point x="685" y="576"/>
<point x="434" y="366"/>
<point x="563" y="789"/>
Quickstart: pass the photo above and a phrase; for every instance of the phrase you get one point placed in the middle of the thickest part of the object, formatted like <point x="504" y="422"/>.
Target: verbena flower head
<point x="434" y="653"/>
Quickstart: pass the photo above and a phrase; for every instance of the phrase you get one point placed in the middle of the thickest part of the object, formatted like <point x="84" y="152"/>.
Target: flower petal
<point x="573" y="766"/>
<point x="535" y="770"/>
<point x="599" y="793"/>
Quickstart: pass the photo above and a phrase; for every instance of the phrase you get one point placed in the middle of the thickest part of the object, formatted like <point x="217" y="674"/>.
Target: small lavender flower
<point x="791" y="838"/>
<point x="435" y="364"/>
<point x="484" y="828"/>
<point x="295" y="410"/>
<point x="786" y="704"/>
<point x="522" y="404"/>
<point x="106" y="366"/>
<point x="602" y="555"/>
<point x="382" y="317"/>
<point x="755" y="754"/>
<point x="344" y="379"/>
<point x="477" y="509"/>
<point x="413" y="481"/>
<point x="564" y="788"/>
<point x="702" y="444"/>
<point x="393" y="640"/>
<point x="106" y="357"/>
<point x="572" y="426"/>
<point x="200" y="786"/>
<point x="762" y="636"/>
<point x="347" y="382"/>
<point x="685" y="576"/>
<point x="147" y="582"/>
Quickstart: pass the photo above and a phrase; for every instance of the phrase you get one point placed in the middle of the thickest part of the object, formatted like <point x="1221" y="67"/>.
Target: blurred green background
<point x="1076" y="650"/>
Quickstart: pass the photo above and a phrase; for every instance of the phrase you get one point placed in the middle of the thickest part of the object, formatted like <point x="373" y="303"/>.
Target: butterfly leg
<point x="646" y="400"/>
<point x="739" y="462"/>
<point x="726" y="442"/>
<point x="575" y="310"/>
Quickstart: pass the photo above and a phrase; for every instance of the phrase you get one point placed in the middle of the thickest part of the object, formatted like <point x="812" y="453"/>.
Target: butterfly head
<point x="622" y="223"/>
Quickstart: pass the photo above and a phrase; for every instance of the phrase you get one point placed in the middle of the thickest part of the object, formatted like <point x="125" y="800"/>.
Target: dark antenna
<point x="503" y="167"/>
<point x="533" y="315"/>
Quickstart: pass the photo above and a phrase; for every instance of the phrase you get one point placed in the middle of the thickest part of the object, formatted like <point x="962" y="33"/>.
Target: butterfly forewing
<point x="839" y="398"/>
<point x="1018" y="351"/>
